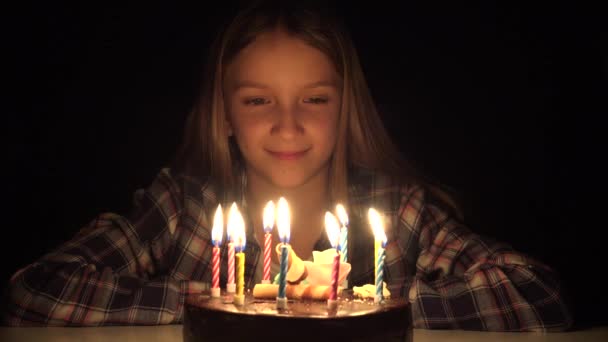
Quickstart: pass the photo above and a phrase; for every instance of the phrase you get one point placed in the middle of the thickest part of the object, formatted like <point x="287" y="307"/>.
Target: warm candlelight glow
<point x="377" y="224"/>
<point x="229" y="227"/>
<point x="218" y="227"/>
<point x="236" y="228"/>
<point x="283" y="219"/>
<point x="332" y="227"/>
<point x="341" y="212"/>
<point x="269" y="212"/>
<point x="333" y="233"/>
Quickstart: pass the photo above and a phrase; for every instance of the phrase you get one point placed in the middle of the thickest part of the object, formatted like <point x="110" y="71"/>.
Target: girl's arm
<point x="114" y="271"/>
<point x="465" y="282"/>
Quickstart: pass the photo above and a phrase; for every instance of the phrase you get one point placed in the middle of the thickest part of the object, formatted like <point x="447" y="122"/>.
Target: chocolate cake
<point x="215" y="319"/>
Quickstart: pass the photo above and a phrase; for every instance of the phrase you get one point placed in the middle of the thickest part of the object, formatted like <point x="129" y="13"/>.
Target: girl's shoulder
<point x="393" y="194"/>
<point x="365" y="182"/>
<point x="187" y="187"/>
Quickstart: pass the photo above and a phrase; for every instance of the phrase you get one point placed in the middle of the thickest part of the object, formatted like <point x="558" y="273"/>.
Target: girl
<point x="285" y="111"/>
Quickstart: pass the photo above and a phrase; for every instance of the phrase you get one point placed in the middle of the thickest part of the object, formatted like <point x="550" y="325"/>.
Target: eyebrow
<point x="258" y="85"/>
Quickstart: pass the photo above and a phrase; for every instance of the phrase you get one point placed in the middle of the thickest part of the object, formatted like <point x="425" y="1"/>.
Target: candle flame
<point x="283" y="218"/>
<point x="332" y="227"/>
<point x="342" y="214"/>
<point x="236" y="227"/>
<point x="269" y="212"/>
<point x="229" y="227"/>
<point x="218" y="226"/>
<point x="377" y="224"/>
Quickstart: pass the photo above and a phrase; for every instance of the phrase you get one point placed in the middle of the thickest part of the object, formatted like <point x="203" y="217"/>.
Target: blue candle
<point x="283" y="222"/>
<point x="377" y="224"/>
<point x="380" y="275"/>
<point x="343" y="217"/>
<point x="344" y="244"/>
<point x="283" y="272"/>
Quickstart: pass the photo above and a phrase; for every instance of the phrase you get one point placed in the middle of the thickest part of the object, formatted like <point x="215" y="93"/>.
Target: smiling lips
<point x="288" y="155"/>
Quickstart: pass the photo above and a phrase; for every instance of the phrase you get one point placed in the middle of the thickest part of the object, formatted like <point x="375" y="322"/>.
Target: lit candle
<point x="237" y="224"/>
<point x="269" y="212"/>
<point x="216" y="237"/>
<point x="380" y="238"/>
<point x="230" y="286"/>
<point x="333" y="233"/>
<point x="343" y="217"/>
<point x="283" y="222"/>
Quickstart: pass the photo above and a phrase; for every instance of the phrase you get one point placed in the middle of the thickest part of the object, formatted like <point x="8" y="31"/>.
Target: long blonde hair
<point x="362" y="140"/>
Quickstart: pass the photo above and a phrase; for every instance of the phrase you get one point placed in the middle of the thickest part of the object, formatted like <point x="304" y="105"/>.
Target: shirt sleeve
<point x="464" y="281"/>
<point x="113" y="272"/>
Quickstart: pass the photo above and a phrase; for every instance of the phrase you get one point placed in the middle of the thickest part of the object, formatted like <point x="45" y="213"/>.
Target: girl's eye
<point x="316" y="100"/>
<point x="256" y="101"/>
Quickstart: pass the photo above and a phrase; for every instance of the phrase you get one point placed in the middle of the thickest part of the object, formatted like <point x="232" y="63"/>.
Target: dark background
<point x="500" y="101"/>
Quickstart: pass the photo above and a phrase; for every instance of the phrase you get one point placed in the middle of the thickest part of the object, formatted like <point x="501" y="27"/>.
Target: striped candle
<point x="216" y="238"/>
<point x="267" y="243"/>
<point x="377" y="246"/>
<point x="379" y="276"/>
<point x="333" y="234"/>
<point x="343" y="217"/>
<point x="283" y="226"/>
<point x="377" y="224"/>
<point x="283" y="271"/>
<point x="335" y="271"/>
<point x="230" y="286"/>
<point x="269" y="213"/>
<point x="344" y="244"/>
<point x="215" y="282"/>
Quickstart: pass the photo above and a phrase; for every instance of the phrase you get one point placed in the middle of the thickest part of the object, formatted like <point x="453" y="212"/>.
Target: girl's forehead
<point x="278" y="56"/>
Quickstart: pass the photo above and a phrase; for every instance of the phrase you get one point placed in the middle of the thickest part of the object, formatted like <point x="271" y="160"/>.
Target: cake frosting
<point x="307" y="315"/>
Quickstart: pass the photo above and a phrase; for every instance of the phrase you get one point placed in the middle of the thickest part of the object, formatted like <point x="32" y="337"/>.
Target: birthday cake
<point x="309" y="300"/>
<point x="214" y="319"/>
<point x="307" y="315"/>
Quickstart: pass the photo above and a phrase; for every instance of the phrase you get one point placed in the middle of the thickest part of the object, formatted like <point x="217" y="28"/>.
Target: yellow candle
<point x="375" y="221"/>
<point x="237" y="225"/>
<point x="240" y="271"/>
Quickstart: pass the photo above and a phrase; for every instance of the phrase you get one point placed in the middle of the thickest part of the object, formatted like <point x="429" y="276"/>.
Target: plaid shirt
<point x="139" y="269"/>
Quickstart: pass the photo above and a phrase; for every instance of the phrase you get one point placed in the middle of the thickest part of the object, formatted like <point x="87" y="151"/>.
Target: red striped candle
<point x="267" y="243"/>
<point x="216" y="268"/>
<point x="333" y="234"/>
<point x="216" y="238"/>
<point x="333" y="294"/>
<point x="268" y="221"/>
<point x="231" y="286"/>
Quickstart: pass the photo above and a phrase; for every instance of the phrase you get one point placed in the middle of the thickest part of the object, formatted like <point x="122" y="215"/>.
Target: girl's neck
<point x="307" y="206"/>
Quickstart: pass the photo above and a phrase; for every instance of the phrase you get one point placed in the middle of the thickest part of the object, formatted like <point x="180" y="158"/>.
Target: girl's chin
<point x="290" y="180"/>
<point x="287" y="183"/>
<point x="287" y="179"/>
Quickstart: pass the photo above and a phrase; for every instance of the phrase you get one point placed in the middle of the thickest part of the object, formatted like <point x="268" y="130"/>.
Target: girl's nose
<point x="287" y="123"/>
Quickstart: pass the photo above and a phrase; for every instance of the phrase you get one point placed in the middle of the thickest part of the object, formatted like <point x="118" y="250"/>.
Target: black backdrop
<point x="493" y="99"/>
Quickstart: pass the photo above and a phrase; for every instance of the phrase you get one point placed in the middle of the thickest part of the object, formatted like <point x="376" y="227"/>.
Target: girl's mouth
<point x="288" y="155"/>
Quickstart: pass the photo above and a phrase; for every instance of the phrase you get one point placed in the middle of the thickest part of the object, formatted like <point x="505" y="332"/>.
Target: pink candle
<point x="216" y="268"/>
<point x="333" y="294"/>
<point x="267" y="243"/>
<point x="268" y="221"/>
<point x="216" y="238"/>
<point x="333" y="233"/>
<point x="231" y="286"/>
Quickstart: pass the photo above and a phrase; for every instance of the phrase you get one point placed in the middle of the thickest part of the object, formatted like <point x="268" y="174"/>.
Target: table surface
<point x="169" y="333"/>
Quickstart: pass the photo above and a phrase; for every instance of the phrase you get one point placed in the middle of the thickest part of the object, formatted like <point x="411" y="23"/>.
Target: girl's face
<point x="282" y="100"/>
